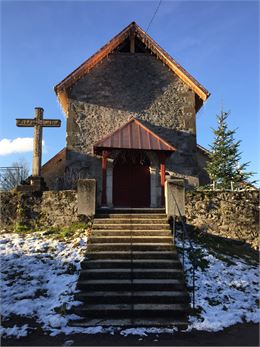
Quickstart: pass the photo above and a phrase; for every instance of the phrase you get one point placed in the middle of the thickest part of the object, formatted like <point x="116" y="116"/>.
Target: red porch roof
<point x="133" y="135"/>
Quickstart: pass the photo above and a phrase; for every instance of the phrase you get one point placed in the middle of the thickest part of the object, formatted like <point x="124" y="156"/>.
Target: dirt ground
<point x="237" y="335"/>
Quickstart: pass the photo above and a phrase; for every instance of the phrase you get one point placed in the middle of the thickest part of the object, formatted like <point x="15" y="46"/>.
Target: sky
<point x="43" y="41"/>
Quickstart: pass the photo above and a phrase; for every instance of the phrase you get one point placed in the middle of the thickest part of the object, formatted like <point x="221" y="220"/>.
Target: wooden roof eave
<point x="87" y="65"/>
<point x="61" y="89"/>
<point x="173" y="65"/>
<point x="63" y="99"/>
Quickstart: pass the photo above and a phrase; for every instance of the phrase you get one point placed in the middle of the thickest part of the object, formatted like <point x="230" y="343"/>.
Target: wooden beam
<point x="173" y="65"/>
<point x="162" y="158"/>
<point x="132" y="42"/>
<point x="90" y="63"/>
<point x="135" y="31"/>
<point x="64" y="100"/>
<point x="104" y="178"/>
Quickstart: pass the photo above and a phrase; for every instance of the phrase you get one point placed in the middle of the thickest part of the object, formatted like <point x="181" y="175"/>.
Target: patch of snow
<point x="57" y="322"/>
<point x="73" y="330"/>
<point x="226" y="294"/>
<point x="39" y="278"/>
<point x="15" y="331"/>
<point x="146" y="331"/>
<point x="134" y="331"/>
<point x="36" y="280"/>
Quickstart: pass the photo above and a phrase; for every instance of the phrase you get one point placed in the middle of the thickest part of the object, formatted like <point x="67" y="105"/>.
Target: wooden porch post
<point x="162" y="169"/>
<point x="104" y="177"/>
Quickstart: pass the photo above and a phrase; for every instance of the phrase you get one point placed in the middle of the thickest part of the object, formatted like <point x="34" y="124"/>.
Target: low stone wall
<point x="8" y="208"/>
<point x="229" y="214"/>
<point x="38" y="210"/>
<point x="59" y="208"/>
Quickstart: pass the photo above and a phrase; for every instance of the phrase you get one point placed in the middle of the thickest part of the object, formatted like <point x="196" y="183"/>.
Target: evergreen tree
<point x="224" y="166"/>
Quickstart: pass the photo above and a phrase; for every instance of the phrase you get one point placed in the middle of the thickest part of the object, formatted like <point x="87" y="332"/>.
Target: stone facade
<point x="130" y="76"/>
<point x="54" y="172"/>
<point x="229" y="214"/>
<point x="202" y="158"/>
<point x="126" y="85"/>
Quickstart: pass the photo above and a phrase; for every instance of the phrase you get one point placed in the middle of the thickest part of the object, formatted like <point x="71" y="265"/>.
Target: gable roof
<point x="203" y="150"/>
<point x="133" y="135"/>
<point x="58" y="157"/>
<point x="132" y="29"/>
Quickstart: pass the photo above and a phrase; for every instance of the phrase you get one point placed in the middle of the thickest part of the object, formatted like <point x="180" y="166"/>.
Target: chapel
<point x="131" y="123"/>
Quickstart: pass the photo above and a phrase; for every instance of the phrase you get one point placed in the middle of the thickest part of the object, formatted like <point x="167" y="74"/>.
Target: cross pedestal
<point x="36" y="181"/>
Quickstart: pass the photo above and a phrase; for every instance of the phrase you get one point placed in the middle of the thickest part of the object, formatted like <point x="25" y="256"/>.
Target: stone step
<point x="132" y="323"/>
<point x="135" y="310"/>
<point x="116" y="221"/>
<point x="126" y="263"/>
<point x="131" y="233"/>
<point x="145" y="247"/>
<point x="151" y="255"/>
<point x="131" y="273"/>
<point x="134" y="285"/>
<point x="129" y="239"/>
<point x="129" y="226"/>
<point x="121" y="273"/>
<point x="127" y="210"/>
<point x="108" y="216"/>
<point x="116" y="297"/>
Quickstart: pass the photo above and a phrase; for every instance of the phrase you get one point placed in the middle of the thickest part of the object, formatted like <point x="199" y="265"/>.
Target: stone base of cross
<point x="36" y="182"/>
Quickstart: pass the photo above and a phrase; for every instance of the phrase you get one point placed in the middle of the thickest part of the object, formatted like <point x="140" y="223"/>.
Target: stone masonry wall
<point x="229" y="214"/>
<point x="126" y="85"/>
<point x="36" y="210"/>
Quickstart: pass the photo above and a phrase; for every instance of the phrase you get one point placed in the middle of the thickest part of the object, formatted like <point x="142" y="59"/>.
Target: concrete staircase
<point x="132" y="275"/>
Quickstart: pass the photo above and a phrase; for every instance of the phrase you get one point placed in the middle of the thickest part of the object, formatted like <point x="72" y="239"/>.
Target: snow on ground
<point x="39" y="275"/>
<point x="226" y="294"/>
<point x="38" y="279"/>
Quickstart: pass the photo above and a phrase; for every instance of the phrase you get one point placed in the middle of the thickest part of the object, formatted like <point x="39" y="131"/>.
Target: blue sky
<point x="217" y="42"/>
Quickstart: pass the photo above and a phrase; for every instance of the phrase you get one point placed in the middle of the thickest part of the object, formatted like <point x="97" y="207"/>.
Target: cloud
<point x="18" y="145"/>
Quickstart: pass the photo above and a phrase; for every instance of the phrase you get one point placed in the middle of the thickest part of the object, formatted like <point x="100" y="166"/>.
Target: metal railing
<point x="185" y="235"/>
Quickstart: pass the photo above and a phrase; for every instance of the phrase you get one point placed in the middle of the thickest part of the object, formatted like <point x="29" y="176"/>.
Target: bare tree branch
<point x="12" y="176"/>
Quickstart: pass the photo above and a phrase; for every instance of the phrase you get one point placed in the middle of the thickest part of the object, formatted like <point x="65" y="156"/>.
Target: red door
<point x="131" y="185"/>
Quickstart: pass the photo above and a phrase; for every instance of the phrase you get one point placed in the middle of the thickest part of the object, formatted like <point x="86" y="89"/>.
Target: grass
<point x="223" y="248"/>
<point x="68" y="232"/>
<point x="60" y="233"/>
<point x="197" y="257"/>
<point x="22" y="228"/>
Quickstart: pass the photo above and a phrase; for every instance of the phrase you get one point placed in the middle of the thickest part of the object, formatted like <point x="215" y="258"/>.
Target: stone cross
<point x="38" y="123"/>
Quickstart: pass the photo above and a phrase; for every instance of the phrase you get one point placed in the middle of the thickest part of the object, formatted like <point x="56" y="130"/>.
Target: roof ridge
<point x="162" y="142"/>
<point x="62" y="87"/>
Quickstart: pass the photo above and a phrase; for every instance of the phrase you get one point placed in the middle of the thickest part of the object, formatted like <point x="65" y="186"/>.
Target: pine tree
<point x="224" y="166"/>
